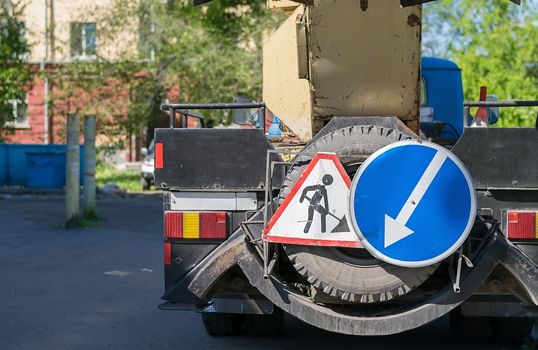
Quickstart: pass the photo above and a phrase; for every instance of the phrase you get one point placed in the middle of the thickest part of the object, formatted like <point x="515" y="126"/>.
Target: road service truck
<point x="370" y="227"/>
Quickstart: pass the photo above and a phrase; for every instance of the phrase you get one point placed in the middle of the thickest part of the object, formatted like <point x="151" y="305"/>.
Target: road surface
<point x="99" y="287"/>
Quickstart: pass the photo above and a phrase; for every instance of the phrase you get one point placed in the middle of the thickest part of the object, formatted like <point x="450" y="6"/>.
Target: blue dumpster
<point x="45" y="170"/>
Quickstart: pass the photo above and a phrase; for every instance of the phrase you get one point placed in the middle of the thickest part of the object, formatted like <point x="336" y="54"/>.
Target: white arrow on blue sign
<point x="412" y="203"/>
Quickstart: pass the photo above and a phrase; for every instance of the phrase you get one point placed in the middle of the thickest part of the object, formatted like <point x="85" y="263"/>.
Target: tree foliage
<point x="495" y="43"/>
<point x="14" y="73"/>
<point x="212" y="52"/>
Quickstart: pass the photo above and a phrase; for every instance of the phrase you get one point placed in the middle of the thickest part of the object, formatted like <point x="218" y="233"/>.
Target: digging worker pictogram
<point x="323" y="188"/>
<point x="319" y="195"/>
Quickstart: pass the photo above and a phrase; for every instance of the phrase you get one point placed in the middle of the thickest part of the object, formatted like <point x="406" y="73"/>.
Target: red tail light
<point x="213" y="225"/>
<point x="159" y="160"/>
<point x="167" y="253"/>
<point x="522" y="224"/>
<point x="195" y="225"/>
<point x="173" y="224"/>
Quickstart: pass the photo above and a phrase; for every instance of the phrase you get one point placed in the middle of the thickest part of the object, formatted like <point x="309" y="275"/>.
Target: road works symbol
<point x="320" y="194"/>
<point x="412" y="203"/>
<point x="315" y="212"/>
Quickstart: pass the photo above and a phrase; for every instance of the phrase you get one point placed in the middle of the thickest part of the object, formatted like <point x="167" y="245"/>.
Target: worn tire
<point x="336" y="272"/>
<point x="222" y="324"/>
<point x="265" y="325"/>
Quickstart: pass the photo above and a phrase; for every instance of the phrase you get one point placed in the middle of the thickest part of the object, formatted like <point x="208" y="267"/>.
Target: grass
<point x="128" y="180"/>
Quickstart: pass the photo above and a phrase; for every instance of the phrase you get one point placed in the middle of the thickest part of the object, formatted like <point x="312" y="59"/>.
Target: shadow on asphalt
<point x="99" y="287"/>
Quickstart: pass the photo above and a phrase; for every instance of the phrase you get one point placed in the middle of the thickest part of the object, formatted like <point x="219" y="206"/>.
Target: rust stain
<point x="413" y="20"/>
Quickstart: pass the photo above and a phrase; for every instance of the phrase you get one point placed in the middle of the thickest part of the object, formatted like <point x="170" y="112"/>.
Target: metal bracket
<point x="461" y="258"/>
<point x="269" y="260"/>
<point x="253" y="240"/>
<point x="455" y="274"/>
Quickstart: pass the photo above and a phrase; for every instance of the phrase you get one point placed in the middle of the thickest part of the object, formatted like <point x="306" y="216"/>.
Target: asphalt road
<point x="99" y="287"/>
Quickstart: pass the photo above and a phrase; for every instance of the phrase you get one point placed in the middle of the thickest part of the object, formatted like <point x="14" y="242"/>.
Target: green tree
<point x="14" y="73"/>
<point x="212" y="52"/>
<point x="495" y="43"/>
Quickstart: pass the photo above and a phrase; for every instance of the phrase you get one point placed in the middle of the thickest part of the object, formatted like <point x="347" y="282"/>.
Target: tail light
<point x="522" y="224"/>
<point x="158" y="160"/>
<point x="195" y="225"/>
<point x="167" y="253"/>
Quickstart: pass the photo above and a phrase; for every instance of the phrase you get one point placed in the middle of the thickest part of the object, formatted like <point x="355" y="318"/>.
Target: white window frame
<point x="16" y="123"/>
<point x="83" y="56"/>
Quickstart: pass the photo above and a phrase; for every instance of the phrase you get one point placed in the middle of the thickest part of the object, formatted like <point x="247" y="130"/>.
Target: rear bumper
<point x="238" y="252"/>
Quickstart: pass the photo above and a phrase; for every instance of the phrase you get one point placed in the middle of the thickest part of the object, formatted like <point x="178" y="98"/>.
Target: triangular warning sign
<point x="315" y="212"/>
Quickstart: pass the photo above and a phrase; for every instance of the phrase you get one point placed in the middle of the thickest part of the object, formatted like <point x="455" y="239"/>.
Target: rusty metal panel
<point x="364" y="62"/>
<point x="284" y="92"/>
<point x="334" y="60"/>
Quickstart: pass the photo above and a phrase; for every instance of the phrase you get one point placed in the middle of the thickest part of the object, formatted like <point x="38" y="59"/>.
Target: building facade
<point x="61" y="33"/>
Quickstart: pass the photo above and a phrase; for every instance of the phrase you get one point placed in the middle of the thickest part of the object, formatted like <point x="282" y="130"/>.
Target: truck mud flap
<point x="523" y="269"/>
<point x="238" y="251"/>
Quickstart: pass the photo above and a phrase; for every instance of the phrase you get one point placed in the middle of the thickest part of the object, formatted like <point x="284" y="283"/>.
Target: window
<point x="83" y="39"/>
<point x="19" y="114"/>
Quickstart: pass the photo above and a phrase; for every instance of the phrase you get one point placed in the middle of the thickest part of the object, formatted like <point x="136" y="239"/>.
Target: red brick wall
<point x="113" y="98"/>
<point x="109" y="102"/>
<point x="35" y="132"/>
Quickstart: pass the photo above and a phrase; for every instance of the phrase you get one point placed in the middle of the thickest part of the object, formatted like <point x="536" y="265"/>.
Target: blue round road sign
<point x="412" y="203"/>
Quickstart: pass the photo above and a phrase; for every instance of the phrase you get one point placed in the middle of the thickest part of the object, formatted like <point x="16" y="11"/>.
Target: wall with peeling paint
<point x="285" y="93"/>
<point x="355" y="63"/>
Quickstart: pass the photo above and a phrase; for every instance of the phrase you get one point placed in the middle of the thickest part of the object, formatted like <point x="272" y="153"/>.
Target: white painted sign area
<point x="316" y="212"/>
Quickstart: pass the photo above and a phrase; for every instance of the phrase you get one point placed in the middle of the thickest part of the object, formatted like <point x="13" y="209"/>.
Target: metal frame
<point x="268" y="199"/>
<point x="269" y="202"/>
<point x="463" y="257"/>
<point x="240" y="253"/>
<point x="245" y="252"/>
<point x="183" y="109"/>
<point x="405" y="3"/>
<point x="516" y="103"/>
<point x="268" y="207"/>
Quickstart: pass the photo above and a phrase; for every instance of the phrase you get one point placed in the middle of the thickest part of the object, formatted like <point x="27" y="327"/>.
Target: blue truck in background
<point x="441" y="99"/>
<point x="442" y="116"/>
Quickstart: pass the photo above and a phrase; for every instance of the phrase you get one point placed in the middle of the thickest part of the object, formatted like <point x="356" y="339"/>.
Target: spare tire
<point x="350" y="275"/>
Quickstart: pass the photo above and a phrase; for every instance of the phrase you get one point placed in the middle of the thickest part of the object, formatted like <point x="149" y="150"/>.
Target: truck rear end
<point x="225" y="190"/>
